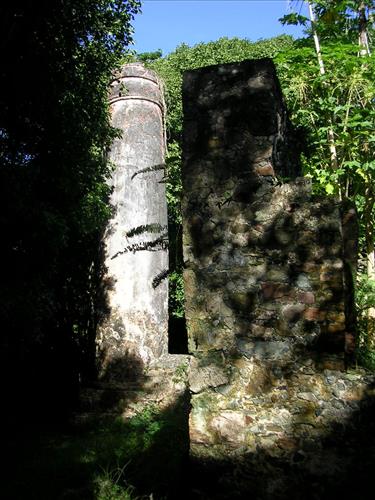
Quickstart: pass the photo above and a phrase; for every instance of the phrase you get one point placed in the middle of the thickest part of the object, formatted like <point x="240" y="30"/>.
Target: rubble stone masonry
<point x="266" y="275"/>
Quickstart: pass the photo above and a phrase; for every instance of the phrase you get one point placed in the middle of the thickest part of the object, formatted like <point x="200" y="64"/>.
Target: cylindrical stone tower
<point x="134" y="331"/>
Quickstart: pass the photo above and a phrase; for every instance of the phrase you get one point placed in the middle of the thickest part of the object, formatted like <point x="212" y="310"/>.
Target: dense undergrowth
<point x="102" y="459"/>
<point x="54" y="197"/>
<point x="342" y="97"/>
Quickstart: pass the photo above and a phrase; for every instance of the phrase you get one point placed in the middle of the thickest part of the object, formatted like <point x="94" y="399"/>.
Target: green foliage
<point x="104" y="458"/>
<point x="173" y="184"/>
<point x="335" y="19"/>
<point x="342" y="97"/>
<point x="339" y="102"/>
<point x="224" y="50"/>
<point x="146" y="423"/>
<point x="171" y="69"/>
<point x="176" y="294"/>
<point x="181" y="373"/>
<point x="146" y="228"/>
<point x="339" y="18"/>
<point x="365" y="302"/>
<point x="293" y="19"/>
<point x="109" y="486"/>
<point x="54" y="134"/>
<point x="365" y="296"/>
<point x="147" y="57"/>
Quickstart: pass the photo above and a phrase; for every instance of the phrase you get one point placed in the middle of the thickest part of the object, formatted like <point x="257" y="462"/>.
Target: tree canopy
<point x="58" y="57"/>
<point x="171" y="69"/>
<point x="333" y="109"/>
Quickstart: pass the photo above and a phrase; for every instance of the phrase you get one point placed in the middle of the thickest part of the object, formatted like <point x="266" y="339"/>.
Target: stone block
<point x="230" y="427"/>
<point x="292" y="312"/>
<point x="314" y="314"/>
<point x="203" y="377"/>
<point x="306" y="297"/>
<point x="266" y="170"/>
<point x="272" y="290"/>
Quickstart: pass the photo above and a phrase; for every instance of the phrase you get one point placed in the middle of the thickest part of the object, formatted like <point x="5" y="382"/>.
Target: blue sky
<point x="165" y="24"/>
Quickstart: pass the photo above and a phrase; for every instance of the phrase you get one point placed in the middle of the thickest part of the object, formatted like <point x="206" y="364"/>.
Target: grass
<point x="108" y="459"/>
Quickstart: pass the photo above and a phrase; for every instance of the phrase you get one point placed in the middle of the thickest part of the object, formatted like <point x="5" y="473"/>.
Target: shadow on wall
<point x="111" y="359"/>
<point x="338" y="465"/>
<point x="119" y="385"/>
<point x="273" y="416"/>
<point x="269" y="269"/>
<point x="269" y="397"/>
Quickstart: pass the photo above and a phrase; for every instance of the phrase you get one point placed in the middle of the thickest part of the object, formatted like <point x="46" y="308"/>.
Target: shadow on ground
<point x="149" y="451"/>
<point x="100" y="457"/>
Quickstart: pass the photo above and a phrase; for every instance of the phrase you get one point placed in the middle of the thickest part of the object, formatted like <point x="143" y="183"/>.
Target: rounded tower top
<point x="134" y="81"/>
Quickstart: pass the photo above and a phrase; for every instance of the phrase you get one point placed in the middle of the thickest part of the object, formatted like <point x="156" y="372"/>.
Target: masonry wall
<point x="134" y="332"/>
<point x="265" y="274"/>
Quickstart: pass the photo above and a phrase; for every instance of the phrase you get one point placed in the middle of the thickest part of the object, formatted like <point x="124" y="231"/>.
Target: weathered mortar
<point x="264" y="277"/>
<point x="134" y="333"/>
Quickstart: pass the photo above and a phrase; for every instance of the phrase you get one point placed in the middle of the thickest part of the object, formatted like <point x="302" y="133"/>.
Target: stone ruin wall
<point x="267" y="283"/>
<point x="134" y="333"/>
<point x="266" y="273"/>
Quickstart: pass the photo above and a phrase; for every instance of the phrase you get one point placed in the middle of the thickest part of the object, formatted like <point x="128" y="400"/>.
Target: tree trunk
<point x="370" y="257"/>
<point x="363" y="51"/>
<point x="331" y="136"/>
<point x="364" y="48"/>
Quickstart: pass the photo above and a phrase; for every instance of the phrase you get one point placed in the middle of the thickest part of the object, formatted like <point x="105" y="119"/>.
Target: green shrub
<point x="365" y="302"/>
